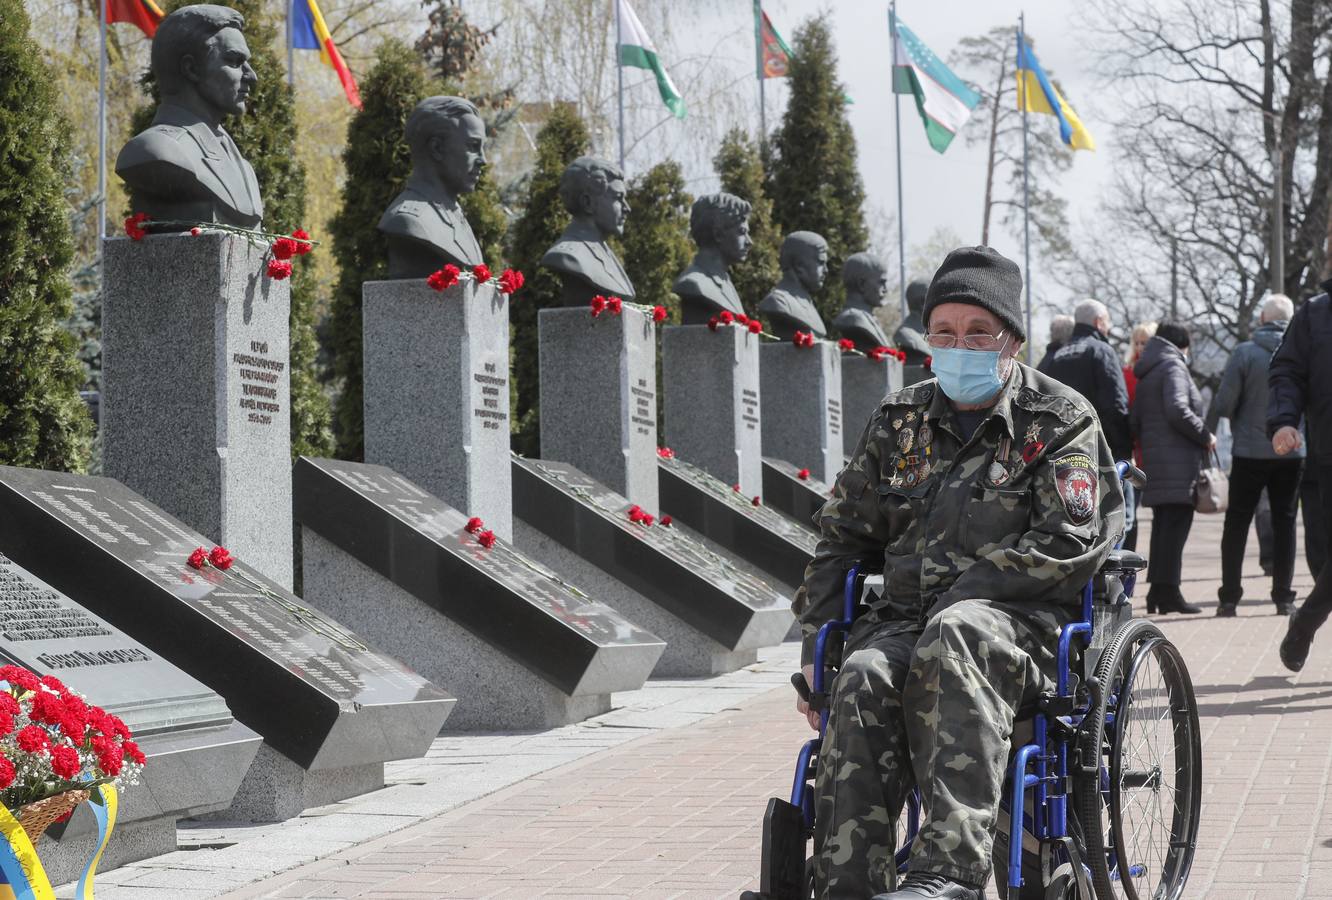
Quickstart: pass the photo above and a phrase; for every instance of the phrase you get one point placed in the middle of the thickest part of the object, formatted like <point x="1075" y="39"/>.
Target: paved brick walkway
<point x="676" y="813"/>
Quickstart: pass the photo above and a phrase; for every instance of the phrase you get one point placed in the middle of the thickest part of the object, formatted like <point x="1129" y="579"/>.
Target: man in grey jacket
<point x="1242" y="398"/>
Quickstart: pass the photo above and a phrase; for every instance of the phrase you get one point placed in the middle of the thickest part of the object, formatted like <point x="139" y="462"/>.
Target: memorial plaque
<point x="757" y="533"/>
<point x="420" y="545"/>
<point x="799" y="498"/>
<point x="681" y="575"/>
<point x="313" y="690"/>
<point x="801" y="388"/>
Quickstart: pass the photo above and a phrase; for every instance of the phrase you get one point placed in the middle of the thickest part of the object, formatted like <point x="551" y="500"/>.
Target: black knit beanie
<point x="982" y="277"/>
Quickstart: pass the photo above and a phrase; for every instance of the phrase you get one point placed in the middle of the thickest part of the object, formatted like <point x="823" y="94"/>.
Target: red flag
<point x="143" y="14"/>
<point x="776" y="55"/>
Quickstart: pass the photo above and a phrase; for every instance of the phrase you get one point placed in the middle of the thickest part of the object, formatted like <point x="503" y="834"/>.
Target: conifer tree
<point x="560" y="141"/>
<point x="266" y="137"/>
<point x="378" y="163"/>
<point x="740" y="167"/>
<point x="813" y="180"/>
<point x="43" y="422"/>
<point x="656" y="247"/>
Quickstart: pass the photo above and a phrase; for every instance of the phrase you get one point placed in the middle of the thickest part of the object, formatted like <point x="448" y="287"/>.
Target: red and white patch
<point x="1076" y="482"/>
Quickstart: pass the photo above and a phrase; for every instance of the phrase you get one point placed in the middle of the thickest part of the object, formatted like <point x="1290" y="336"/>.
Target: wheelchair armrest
<point x="1124" y="561"/>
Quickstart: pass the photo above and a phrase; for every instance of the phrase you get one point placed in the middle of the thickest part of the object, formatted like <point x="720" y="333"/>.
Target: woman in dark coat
<point x="1167" y="419"/>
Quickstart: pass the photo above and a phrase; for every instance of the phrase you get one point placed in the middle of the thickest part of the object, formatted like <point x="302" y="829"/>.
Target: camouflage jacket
<point x="1027" y="509"/>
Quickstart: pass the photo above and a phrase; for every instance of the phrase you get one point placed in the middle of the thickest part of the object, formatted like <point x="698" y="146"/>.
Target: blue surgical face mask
<point x="967" y="376"/>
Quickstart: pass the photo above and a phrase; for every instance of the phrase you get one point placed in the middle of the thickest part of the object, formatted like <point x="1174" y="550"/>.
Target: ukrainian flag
<point x="309" y="32"/>
<point x="1036" y="94"/>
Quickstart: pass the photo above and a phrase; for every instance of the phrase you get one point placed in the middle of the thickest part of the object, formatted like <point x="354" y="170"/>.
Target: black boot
<point x="1169" y="600"/>
<point x="929" y="886"/>
<point x="1295" y="646"/>
<point x="1226" y="610"/>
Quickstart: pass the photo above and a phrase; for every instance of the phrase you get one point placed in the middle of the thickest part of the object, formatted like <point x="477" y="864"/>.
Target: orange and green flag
<point x="774" y="57"/>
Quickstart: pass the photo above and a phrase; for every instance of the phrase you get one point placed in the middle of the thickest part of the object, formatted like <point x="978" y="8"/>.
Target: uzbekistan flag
<point x="1036" y="94"/>
<point x="309" y="32"/>
<point x="143" y="14"/>
<point x="776" y="55"/>
<point x="944" y="100"/>
<point x="637" y="50"/>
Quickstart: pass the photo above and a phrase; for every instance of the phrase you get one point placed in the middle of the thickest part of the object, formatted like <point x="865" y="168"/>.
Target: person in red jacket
<point x="1142" y="333"/>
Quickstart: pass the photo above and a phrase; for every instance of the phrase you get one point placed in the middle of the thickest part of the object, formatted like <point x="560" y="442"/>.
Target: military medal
<point x="897" y="423"/>
<point x="1034" y="446"/>
<point x="911" y="416"/>
<point x="911" y="478"/>
<point x="904" y="440"/>
<point x="998" y="473"/>
<point x="925" y="435"/>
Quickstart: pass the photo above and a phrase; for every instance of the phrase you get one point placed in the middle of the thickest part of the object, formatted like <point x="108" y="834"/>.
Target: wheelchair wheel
<point x="1139" y="788"/>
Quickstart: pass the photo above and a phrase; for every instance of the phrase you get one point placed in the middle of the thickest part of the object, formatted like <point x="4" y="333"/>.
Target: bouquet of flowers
<point x="55" y="748"/>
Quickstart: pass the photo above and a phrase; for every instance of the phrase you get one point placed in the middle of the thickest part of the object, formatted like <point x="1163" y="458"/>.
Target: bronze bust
<point x="425" y="226"/>
<point x="184" y="166"/>
<point x="910" y="337"/>
<point x="866" y="280"/>
<point x="789" y="307"/>
<point x="719" y="225"/>
<point x="594" y="193"/>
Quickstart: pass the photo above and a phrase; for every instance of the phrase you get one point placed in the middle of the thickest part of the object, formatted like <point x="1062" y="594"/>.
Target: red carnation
<point x="279" y="269"/>
<point x="636" y="513"/>
<point x="65" y="762"/>
<point x="110" y="756"/>
<point x="119" y="727"/>
<point x="198" y="558"/>
<point x="8" y="703"/>
<point x="510" y="280"/>
<point x="54" y="684"/>
<point x="736" y="488"/>
<point x="445" y="278"/>
<point x="803" y="339"/>
<point x="133" y="752"/>
<point x="33" y="739"/>
<point x="486" y="539"/>
<point x="649" y="519"/>
<point x="46" y="707"/>
<point x="712" y="324"/>
<point x="846" y="344"/>
<point x="196" y="231"/>
<point x="666" y="521"/>
<point x="7" y="773"/>
<point x="302" y="240"/>
<point x="929" y="361"/>
<point x="284" y="248"/>
<point x="134" y="226"/>
<point x="742" y="319"/>
<point x="666" y="453"/>
<point x="19" y="677"/>
<point x="221" y="558"/>
<point x="474" y="524"/>
<point x="615" y="305"/>
<point x="6" y="723"/>
<point x="598" y="305"/>
<point x="755" y="326"/>
<point x="756" y="501"/>
<point x="725" y="317"/>
<point x="659" y="314"/>
<point x="481" y="273"/>
<point x="100" y="721"/>
<point x="803" y="474"/>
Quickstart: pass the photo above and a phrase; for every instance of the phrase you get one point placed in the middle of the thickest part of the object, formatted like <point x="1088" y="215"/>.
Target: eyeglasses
<point x="970" y="341"/>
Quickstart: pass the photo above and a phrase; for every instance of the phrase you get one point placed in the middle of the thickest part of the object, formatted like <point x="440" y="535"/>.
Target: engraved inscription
<point x="260" y="377"/>
<point x="834" y="417"/>
<point x="749" y="408"/>
<point x="493" y="408"/>
<point x="644" y="415"/>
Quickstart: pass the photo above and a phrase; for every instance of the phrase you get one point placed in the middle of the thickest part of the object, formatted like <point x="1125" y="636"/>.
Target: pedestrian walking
<point x="1300" y="388"/>
<point x="1167" y="418"/>
<point x="1255" y="466"/>
<point x="1142" y="333"/>
<point x="1090" y="366"/>
<point x="1061" y="330"/>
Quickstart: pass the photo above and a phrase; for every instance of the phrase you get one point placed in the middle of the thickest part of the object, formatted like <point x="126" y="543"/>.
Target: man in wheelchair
<point x="991" y="498"/>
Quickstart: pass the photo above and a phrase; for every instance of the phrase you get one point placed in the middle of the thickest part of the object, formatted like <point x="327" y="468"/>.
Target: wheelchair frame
<point x="1041" y="767"/>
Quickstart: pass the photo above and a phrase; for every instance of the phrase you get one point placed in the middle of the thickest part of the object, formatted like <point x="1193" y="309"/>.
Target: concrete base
<point x="65" y="861"/>
<point x="689" y="652"/>
<point x="494" y="691"/>
<point x="276" y="789"/>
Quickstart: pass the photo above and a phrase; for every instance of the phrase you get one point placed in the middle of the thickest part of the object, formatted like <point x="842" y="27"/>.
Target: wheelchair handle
<point x="1131" y="473"/>
<point x="801" y="686"/>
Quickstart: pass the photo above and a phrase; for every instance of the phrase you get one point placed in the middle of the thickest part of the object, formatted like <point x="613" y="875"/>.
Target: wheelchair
<point x="1105" y="796"/>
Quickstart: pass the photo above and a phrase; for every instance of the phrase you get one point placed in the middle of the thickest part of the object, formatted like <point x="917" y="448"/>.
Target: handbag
<point x="1211" y="492"/>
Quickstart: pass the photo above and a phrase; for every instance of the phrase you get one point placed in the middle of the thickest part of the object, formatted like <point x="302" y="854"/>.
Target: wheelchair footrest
<point x="782" y="876"/>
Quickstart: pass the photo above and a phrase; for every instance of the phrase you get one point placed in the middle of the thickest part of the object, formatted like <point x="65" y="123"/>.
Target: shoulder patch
<point x="1077" y="484"/>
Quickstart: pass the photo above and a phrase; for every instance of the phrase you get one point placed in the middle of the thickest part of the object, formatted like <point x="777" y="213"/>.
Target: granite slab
<point x="797" y="497"/>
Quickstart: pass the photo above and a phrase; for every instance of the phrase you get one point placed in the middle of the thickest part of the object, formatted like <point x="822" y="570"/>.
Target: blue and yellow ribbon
<point x="105" y="813"/>
<point x="21" y="871"/>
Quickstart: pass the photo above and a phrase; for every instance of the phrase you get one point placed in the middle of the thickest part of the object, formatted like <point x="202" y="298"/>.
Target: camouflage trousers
<point x="933" y="705"/>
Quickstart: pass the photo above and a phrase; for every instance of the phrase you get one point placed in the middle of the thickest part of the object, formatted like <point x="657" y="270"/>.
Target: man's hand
<point x="1286" y="440"/>
<point x="801" y="706"/>
<point x="1211" y="443"/>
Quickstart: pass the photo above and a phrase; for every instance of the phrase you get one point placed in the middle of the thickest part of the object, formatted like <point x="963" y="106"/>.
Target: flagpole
<point x="291" y="53"/>
<point x="101" y="130"/>
<point x="758" y="69"/>
<point x="897" y="125"/>
<point x="619" y="79"/>
<point x="1026" y="190"/>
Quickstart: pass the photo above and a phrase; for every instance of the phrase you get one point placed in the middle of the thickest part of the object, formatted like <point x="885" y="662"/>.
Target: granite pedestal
<point x="599" y="397"/>
<point x="329" y="705"/>
<point x="520" y="648"/>
<point x="712" y="615"/>
<point x="711" y="384"/>
<point x="760" y="534"/>
<point x="865" y="382"/>
<point x="197" y="753"/>
<point x="196" y="389"/>
<point x="802" y="411"/>
<point x="437" y="392"/>
<point x="799" y="498"/>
